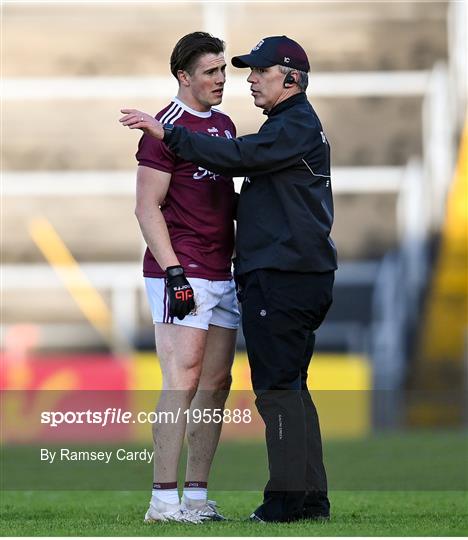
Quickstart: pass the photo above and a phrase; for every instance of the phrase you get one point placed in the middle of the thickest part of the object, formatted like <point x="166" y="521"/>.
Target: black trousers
<point x="280" y="312"/>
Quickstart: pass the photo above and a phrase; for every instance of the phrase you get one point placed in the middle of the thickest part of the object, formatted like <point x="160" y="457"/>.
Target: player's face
<point x="207" y="80"/>
<point x="266" y="86"/>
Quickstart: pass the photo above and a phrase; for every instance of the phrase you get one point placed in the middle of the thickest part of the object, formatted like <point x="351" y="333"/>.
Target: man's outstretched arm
<point x="275" y="147"/>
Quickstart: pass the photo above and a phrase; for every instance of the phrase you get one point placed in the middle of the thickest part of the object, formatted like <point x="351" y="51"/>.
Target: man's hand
<point x="179" y="291"/>
<point x="135" y="119"/>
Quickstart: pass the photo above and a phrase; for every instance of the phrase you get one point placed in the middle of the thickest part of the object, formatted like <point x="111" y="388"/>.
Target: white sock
<point x="169" y="496"/>
<point x="196" y="494"/>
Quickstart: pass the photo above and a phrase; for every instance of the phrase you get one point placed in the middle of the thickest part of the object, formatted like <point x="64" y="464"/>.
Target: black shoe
<point x="256" y="519"/>
<point x="259" y="517"/>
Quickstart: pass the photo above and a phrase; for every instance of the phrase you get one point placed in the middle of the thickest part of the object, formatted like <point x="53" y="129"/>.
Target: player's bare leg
<point x="180" y="350"/>
<point x="213" y="390"/>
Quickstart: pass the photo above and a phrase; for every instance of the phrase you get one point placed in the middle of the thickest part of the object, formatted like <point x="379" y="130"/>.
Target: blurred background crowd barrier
<point x="389" y="81"/>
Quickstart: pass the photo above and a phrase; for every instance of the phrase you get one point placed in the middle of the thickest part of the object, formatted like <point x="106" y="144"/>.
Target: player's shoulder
<point x="219" y="111"/>
<point x="222" y="117"/>
<point x="220" y="114"/>
<point x="171" y="113"/>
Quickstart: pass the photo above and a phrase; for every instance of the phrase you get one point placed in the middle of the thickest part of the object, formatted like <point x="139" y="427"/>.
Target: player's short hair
<point x="190" y="48"/>
<point x="303" y="81"/>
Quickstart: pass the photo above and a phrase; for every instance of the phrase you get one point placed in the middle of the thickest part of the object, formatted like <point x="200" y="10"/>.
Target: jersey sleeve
<point x="155" y="154"/>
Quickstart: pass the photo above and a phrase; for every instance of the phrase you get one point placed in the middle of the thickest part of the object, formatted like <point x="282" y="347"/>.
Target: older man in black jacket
<point x="285" y="261"/>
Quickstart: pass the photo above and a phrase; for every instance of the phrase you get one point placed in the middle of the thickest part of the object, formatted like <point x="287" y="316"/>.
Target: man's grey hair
<point x="303" y="81"/>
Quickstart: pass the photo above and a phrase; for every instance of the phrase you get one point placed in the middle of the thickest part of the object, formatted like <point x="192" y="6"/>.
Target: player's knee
<point x="183" y="378"/>
<point x="225" y="382"/>
<point x="218" y="391"/>
<point x="188" y="381"/>
<point x="220" y="381"/>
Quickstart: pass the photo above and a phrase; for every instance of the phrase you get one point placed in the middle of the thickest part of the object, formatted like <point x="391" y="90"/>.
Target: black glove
<point x="179" y="291"/>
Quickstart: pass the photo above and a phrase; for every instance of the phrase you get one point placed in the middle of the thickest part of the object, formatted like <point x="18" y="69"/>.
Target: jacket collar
<point x="287" y="104"/>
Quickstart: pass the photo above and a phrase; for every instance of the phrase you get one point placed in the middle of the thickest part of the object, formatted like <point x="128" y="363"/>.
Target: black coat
<point x="285" y="210"/>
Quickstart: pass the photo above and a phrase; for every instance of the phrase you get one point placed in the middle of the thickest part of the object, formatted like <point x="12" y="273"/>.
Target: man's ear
<point x="183" y="77"/>
<point x="295" y="76"/>
<point x="290" y="79"/>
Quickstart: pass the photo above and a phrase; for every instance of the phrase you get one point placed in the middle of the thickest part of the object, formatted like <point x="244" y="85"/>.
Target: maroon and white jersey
<point x="199" y="205"/>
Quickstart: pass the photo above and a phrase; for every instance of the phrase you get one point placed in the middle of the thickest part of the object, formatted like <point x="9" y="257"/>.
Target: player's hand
<point x="135" y="119"/>
<point x="179" y="291"/>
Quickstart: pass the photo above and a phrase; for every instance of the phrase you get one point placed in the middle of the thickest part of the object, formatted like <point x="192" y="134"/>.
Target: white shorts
<point x="215" y="303"/>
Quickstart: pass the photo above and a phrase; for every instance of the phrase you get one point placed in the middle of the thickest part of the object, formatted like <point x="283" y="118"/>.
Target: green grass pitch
<point x="402" y="484"/>
<point x="121" y="514"/>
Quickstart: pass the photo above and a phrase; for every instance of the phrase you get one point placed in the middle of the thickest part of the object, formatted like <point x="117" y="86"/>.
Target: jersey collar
<point x="186" y="108"/>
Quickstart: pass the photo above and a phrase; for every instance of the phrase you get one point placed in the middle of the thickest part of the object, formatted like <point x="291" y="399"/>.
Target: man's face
<point x="266" y="86"/>
<point x="207" y="80"/>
